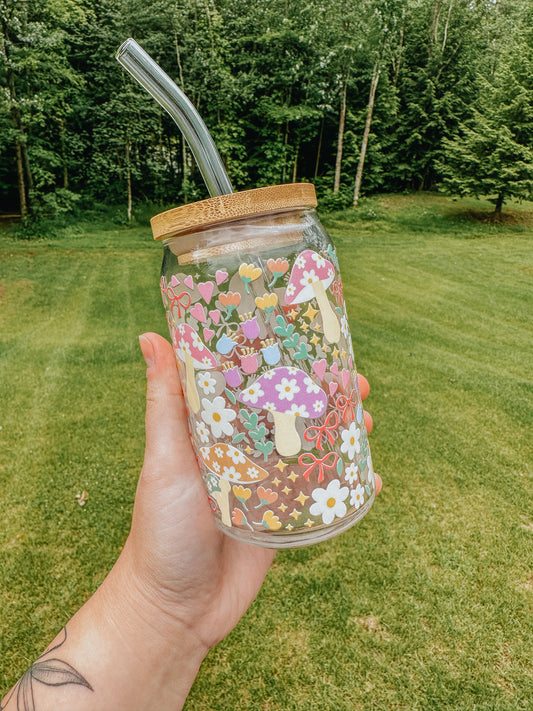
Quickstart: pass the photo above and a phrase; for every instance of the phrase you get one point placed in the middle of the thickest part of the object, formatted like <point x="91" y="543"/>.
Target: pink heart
<point x="334" y="369"/>
<point x="215" y="315"/>
<point x="206" y="290"/>
<point x="174" y="281"/>
<point x="350" y="362"/>
<point x="221" y="276"/>
<point x="208" y="334"/>
<point x="319" y="366"/>
<point x="333" y="387"/>
<point x="198" y="312"/>
<point x="345" y="377"/>
<point x="189" y="282"/>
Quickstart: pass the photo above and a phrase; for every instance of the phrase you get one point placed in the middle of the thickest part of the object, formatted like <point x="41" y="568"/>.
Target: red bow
<point x="338" y="291"/>
<point x="177" y="300"/>
<point x="316" y="433"/>
<point x="345" y="403"/>
<point x="312" y="461"/>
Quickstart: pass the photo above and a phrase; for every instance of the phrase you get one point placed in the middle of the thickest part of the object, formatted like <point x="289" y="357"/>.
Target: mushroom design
<point x="287" y="393"/>
<point x="190" y="349"/>
<point x="310" y="277"/>
<point x="229" y="465"/>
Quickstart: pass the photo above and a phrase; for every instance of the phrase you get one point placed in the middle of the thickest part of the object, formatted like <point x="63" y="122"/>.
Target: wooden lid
<point x="235" y="206"/>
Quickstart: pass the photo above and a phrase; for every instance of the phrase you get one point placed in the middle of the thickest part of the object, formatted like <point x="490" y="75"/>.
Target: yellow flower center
<point x="352" y="440"/>
<point x="216" y="417"/>
<point x="330" y="503"/>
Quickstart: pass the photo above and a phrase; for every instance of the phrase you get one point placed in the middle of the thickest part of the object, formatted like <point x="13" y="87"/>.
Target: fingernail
<point x="147" y="350"/>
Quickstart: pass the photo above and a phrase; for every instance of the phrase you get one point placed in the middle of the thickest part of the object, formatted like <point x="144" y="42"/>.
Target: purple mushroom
<point x="287" y="393"/>
<point x="311" y="275"/>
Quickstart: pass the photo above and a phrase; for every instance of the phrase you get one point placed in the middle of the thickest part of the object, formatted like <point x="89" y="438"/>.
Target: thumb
<point x="167" y="437"/>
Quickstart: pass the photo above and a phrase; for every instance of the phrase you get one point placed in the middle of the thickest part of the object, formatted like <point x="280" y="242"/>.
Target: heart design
<point x="206" y="290"/>
<point x="174" y="281"/>
<point x="345" y="377"/>
<point x="334" y="369"/>
<point x="189" y="282"/>
<point x="350" y="362"/>
<point x="221" y="276"/>
<point x="208" y="334"/>
<point x="215" y="315"/>
<point x="333" y="386"/>
<point x="198" y="312"/>
<point x="319" y="366"/>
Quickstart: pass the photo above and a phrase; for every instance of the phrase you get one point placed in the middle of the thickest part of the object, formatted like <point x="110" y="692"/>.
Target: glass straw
<point x="157" y="83"/>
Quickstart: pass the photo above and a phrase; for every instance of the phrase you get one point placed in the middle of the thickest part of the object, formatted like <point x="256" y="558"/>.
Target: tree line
<point x="357" y="96"/>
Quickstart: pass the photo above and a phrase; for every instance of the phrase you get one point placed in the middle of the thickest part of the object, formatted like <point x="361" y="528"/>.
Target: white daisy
<point x="309" y="277"/>
<point x="344" y="326"/>
<point x="318" y="406"/>
<point x="351" y="474"/>
<point x="197" y="342"/>
<point x="357" y="497"/>
<point x="287" y="389"/>
<point x="300" y="262"/>
<point x="291" y="289"/>
<point x="253" y="472"/>
<point x="329" y="502"/>
<point x="269" y="406"/>
<point x="202" y="431"/>
<point x="236" y="456"/>
<point x="206" y="382"/>
<point x="298" y="410"/>
<point x="311" y="386"/>
<point x="269" y="375"/>
<point x="231" y="473"/>
<point x="318" y="259"/>
<point x="252" y="393"/>
<point x="350" y="441"/>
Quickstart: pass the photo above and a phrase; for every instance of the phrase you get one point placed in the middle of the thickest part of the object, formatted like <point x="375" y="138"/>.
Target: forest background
<point x="358" y="97"/>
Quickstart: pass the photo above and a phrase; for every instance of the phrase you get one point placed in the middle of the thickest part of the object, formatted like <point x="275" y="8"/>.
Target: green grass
<point x="427" y="603"/>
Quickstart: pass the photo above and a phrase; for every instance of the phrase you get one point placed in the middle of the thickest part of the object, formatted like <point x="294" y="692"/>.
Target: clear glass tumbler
<point x="254" y="302"/>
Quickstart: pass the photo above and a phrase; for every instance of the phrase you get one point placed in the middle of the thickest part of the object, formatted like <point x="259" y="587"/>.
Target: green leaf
<point x="231" y="397"/>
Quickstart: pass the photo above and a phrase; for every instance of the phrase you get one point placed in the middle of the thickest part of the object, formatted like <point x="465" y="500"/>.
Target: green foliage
<point x="268" y="79"/>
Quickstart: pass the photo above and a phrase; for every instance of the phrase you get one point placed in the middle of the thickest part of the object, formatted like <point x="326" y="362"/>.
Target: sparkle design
<point x="310" y="313"/>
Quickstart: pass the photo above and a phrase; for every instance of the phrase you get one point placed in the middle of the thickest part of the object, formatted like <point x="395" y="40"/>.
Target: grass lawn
<point x="428" y="602"/>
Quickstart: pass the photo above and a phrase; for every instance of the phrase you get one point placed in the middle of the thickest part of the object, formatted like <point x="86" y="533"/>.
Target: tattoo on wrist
<point x="47" y="671"/>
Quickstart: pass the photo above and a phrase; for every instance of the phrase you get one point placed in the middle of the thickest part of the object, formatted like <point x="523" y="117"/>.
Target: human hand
<point x="175" y="551"/>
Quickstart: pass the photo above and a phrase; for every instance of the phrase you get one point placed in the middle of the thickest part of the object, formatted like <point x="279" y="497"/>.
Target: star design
<point x="289" y="527"/>
<point x="293" y="314"/>
<point x="305" y="327"/>
<point x="335" y="352"/>
<point x="343" y="353"/>
<point x="316" y="327"/>
<point x="282" y="508"/>
<point x="276" y="482"/>
<point x="310" y="313"/>
<point x="295" y="514"/>
<point x="325" y="348"/>
<point x="293" y="476"/>
<point x="286" y="490"/>
<point x="280" y="465"/>
<point x="248" y="450"/>
<point x="302" y="498"/>
<point x="315" y="340"/>
<point x="309" y="523"/>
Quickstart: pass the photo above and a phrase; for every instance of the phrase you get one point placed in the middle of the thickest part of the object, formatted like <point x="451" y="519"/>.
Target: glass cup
<point x="254" y="303"/>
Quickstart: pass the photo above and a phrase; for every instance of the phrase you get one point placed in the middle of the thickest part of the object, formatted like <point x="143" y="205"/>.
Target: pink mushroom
<point x="190" y="349"/>
<point x="229" y="465"/>
<point x="310" y="277"/>
<point x="287" y="393"/>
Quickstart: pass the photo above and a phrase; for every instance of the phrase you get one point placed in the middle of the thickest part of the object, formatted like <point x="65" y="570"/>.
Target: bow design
<point x="313" y="434"/>
<point x="347" y="403"/>
<point x="310" y="461"/>
<point x="338" y="291"/>
<point x="183" y="299"/>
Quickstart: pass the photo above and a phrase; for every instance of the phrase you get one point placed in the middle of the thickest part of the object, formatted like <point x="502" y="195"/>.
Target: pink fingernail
<point x="147" y="350"/>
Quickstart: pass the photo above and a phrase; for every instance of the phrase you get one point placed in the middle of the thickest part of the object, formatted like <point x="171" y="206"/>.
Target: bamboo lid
<point x="235" y="206"/>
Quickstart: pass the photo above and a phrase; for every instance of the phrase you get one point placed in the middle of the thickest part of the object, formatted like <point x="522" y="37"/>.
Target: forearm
<point x="119" y="651"/>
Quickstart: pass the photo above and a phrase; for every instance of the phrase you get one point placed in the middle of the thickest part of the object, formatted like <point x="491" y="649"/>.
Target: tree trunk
<point x="497" y="214"/>
<point x="128" y="179"/>
<point x="62" y="144"/>
<point x="359" y="175"/>
<point x="20" y="180"/>
<point x="340" y="136"/>
<point x="319" y="149"/>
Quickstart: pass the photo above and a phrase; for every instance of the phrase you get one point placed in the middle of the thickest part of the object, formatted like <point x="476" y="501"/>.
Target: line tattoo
<point x="49" y="671"/>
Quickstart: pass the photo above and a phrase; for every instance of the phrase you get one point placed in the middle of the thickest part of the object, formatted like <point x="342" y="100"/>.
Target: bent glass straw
<point x="157" y="83"/>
